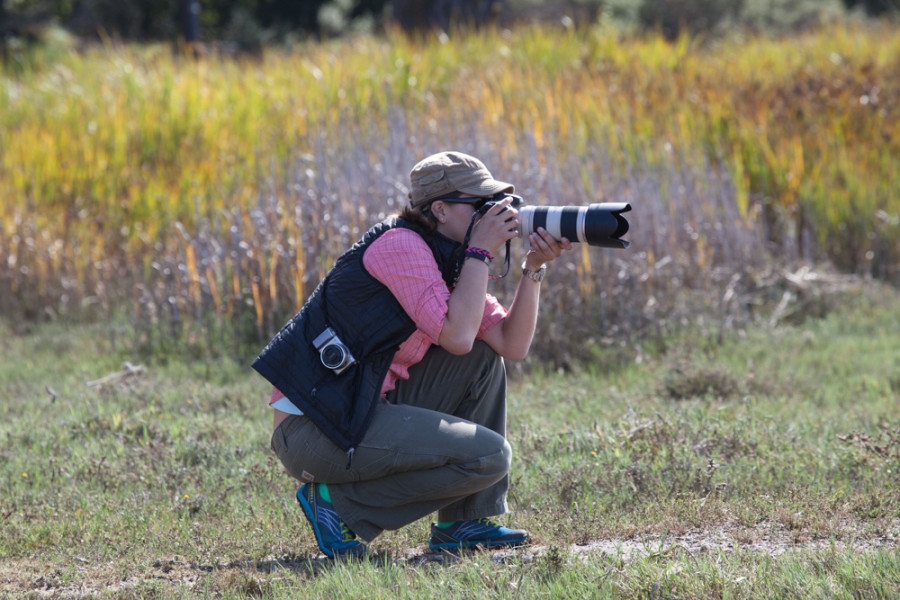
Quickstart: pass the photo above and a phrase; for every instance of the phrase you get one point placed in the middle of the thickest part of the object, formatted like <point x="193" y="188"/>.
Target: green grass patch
<point x="752" y="464"/>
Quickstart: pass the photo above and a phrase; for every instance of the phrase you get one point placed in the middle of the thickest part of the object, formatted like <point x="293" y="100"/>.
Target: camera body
<point x="596" y="225"/>
<point x="517" y="201"/>
<point x="333" y="353"/>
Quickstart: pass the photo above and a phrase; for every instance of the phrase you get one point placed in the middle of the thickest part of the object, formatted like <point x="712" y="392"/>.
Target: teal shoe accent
<point x="332" y="534"/>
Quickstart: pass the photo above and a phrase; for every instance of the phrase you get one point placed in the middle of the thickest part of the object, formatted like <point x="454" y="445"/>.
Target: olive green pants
<point x="436" y="444"/>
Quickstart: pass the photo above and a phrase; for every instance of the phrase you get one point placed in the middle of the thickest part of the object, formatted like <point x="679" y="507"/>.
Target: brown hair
<point x="421" y="217"/>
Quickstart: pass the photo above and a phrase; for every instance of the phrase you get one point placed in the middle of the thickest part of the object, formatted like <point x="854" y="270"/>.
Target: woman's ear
<point x="438" y="209"/>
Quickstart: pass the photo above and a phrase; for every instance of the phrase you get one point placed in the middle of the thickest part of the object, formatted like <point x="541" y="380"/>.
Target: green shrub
<point x="671" y="17"/>
<point x="782" y="16"/>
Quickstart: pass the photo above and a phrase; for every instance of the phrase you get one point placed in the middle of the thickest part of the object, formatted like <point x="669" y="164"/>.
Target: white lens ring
<point x="554" y="222"/>
<point x="526" y="221"/>
<point x="579" y="226"/>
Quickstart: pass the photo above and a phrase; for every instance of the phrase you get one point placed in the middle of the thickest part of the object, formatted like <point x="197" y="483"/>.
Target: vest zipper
<point x="350" y="456"/>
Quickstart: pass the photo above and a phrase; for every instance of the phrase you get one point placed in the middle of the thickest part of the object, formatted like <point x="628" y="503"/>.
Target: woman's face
<point x="454" y="217"/>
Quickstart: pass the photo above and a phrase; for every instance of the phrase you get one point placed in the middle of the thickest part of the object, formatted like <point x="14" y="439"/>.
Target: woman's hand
<point x="544" y="248"/>
<point x="495" y="227"/>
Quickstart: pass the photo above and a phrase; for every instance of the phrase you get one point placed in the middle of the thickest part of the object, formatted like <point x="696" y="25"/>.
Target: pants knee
<point x="484" y="354"/>
<point x="497" y="465"/>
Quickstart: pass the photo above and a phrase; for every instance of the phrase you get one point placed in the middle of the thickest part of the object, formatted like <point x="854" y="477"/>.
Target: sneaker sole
<point x="472" y="545"/>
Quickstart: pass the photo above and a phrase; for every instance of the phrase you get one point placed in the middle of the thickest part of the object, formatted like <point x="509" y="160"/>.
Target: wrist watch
<point x="535" y="275"/>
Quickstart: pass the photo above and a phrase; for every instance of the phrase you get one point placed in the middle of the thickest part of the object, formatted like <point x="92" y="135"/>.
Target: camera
<point x="333" y="353"/>
<point x="596" y="225"/>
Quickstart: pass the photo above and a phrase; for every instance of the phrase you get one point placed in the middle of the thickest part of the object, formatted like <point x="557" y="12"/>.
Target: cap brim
<point x="488" y="188"/>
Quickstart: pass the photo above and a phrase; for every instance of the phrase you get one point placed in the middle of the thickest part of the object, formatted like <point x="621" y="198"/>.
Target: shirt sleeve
<point x="493" y="314"/>
<point x="402" y="261"/>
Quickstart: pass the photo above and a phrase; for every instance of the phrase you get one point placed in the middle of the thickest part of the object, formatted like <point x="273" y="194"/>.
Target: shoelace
<point x="346" y="534"/>
<point x="475" y="529"/>
<point x="327" y="511"/>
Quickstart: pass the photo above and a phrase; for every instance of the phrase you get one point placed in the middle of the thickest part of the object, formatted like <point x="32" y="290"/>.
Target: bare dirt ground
<point x="30" y="578"/>
<point x="700" y="541"/>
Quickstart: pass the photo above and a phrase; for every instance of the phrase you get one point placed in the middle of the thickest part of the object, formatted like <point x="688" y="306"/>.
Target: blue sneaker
<point x="332" y="534"/>
<point x="476" y="532"/>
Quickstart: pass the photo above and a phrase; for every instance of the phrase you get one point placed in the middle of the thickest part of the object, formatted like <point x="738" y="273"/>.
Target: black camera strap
<point x="475" y="216"/>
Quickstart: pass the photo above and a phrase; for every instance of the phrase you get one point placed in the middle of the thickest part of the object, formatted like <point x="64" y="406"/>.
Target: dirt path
<point x="700" y="541"/>
<point x="29" y="578"/>
<point x="760" y="539"/>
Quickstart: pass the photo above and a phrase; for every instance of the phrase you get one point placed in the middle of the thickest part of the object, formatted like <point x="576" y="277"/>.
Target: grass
<point x="757" y="463"/>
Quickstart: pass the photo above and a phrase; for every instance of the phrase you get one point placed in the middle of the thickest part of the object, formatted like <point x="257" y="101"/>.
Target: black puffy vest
<point x="370" y="321"/>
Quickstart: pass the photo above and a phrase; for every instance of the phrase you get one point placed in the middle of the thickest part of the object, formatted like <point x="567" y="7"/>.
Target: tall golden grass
<point x="204" y="198"/>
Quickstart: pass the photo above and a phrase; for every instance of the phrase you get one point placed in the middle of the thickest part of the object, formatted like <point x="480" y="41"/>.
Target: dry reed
<point x="204" y="199"/>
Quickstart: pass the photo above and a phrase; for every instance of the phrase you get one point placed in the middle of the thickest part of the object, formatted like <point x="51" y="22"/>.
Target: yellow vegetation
<point x="104" y="152"/>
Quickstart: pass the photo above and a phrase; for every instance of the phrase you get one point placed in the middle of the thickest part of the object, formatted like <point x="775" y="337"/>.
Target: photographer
<point x="389" y="384"/>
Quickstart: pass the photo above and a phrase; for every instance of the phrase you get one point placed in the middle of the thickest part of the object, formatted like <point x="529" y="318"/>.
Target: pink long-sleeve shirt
<point x="402" y="261"/>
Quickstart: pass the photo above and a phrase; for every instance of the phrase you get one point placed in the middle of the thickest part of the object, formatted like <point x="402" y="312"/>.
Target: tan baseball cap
<point x="446" y="172"/>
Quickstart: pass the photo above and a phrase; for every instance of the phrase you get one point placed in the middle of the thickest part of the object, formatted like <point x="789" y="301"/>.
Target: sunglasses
<point x="476" y="203"/>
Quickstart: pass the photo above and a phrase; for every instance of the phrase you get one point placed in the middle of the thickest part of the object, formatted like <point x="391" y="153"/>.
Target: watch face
<point x="535" y="275"/>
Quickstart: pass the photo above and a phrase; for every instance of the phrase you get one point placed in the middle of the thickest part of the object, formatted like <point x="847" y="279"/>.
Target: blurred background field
<point x="201" y="199"/>
<point x="195" y="200"/>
